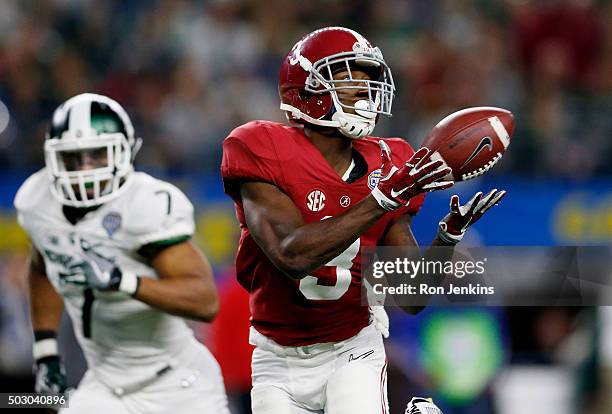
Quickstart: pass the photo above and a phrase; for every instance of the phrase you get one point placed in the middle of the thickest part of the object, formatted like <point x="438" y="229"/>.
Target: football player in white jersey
<point x="114" y="244"/>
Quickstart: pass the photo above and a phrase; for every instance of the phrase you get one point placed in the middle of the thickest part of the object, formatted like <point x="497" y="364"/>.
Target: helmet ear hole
<point x="313" y="83"/>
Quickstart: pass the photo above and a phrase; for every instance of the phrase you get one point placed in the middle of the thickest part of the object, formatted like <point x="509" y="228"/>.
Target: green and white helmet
<point x="89" y="125"/>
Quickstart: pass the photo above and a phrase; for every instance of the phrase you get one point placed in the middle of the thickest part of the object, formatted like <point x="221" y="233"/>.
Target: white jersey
<point x="126" y="342"/>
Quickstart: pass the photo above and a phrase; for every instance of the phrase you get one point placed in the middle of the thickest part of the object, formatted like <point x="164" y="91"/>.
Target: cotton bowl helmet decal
<point x="85" y="123"/>
<point x="309" y="93"/>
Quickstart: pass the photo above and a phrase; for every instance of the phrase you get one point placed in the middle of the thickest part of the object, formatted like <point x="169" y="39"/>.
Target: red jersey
<point x="325" y="306"/>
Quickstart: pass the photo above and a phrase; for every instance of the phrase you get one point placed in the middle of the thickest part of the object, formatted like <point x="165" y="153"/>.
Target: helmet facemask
<point x="358" y="119"/>
<point x="111" y="157"/>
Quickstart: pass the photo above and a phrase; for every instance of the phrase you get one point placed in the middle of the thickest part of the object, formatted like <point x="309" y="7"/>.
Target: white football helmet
<point x="94" y="127"/>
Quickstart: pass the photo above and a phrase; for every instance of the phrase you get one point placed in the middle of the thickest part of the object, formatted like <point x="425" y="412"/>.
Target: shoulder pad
<point x="33" y="190"/>
<point x="251" y="153"/>
<point x="257" y="137"/>
<point x="158" y="211"/>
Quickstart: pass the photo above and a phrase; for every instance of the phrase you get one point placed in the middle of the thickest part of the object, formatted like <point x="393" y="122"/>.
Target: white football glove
<point x="380" y="319"/>
<point x="379" y="316"/>
<point x="89" y="274"/>
<point x="419" y="405"/>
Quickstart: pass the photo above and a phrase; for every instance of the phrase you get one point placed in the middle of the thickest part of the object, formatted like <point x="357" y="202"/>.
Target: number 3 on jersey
<point x="312" y="290"/>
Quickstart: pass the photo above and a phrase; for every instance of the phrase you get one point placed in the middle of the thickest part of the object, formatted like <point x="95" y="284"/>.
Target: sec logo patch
<point x="374" y="178"/>
<point x="315" y="201"/>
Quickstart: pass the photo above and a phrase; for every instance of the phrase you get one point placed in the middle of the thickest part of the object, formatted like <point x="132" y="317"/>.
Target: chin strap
<point x="357" y="125"/>
<point x="353" y="126"/>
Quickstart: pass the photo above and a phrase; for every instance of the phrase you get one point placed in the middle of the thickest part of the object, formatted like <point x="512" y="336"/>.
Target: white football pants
<point x="344" y="377"/>
<point x="181" y="390"/>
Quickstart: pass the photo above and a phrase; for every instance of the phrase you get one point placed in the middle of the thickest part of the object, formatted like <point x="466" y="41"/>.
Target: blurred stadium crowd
<point x="189" y="71"/>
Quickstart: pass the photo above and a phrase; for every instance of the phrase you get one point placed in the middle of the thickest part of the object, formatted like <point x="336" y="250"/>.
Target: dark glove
<point x="50" y="375"/>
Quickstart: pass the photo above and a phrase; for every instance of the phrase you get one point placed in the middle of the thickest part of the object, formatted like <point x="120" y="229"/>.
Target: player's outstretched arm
<point x="185" y="286"/>
<point x="450" y="232"/>
<point x="46" y="307"/>
<point x="297" y="248"/>
<point x="452" y="227"/>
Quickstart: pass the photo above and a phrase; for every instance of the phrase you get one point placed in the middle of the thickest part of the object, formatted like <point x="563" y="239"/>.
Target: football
<point x="472" y="140"/>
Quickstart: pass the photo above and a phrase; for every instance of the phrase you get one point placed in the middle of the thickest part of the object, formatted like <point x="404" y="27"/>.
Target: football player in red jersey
<point x="308" y="198"/>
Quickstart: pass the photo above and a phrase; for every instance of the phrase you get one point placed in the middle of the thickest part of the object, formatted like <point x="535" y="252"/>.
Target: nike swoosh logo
<point x="396" y="193"/>
<point x="485" y="142"/>
<point x="362" y="356"/>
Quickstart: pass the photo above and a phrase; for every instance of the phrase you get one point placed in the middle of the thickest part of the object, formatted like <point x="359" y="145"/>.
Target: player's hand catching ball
<point x="454" y="224"/>
<point x="419" y="175"/>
